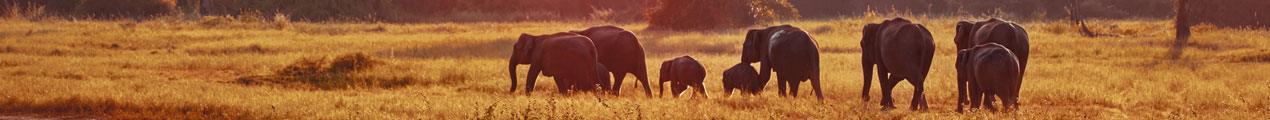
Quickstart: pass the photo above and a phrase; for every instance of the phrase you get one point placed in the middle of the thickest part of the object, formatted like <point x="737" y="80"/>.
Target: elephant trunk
<point x="511" y="71"/>
<point x="868" y="76"/>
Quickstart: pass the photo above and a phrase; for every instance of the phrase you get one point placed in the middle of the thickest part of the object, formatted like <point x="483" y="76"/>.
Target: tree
<point x="1075" y="14"/>
<point x="1183" y="27"/>
<point x="716" y="14"/>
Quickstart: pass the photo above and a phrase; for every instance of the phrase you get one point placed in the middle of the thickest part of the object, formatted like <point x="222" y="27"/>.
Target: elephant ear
<point x="962" y="64"/>
<point x="524" y="45"/>
<point x="750" y="49"/>
<point x="963" y="33"/>
<point x="1020" y="32"/>
<point x="665" y="71"/>
<point x="869" y="41"/>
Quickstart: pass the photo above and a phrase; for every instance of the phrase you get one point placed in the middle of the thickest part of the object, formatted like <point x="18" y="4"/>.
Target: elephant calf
<point x="743" y="77"/>
<point x="682" y="72"/>
<point x="991" y="70"/>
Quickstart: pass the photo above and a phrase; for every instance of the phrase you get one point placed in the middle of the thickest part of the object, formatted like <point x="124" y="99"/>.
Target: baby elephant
<point x="990" y="70"/>
<point x="743" y="77"/>
<point x="603" y="76"/>
<point x="682" y="72"/>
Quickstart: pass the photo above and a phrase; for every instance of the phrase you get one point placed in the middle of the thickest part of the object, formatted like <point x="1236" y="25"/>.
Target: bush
<point x="343" y="72"/>
<point x="716" y="14"/>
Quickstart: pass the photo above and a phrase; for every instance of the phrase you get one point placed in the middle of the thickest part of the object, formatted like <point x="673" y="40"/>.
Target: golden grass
<point x="177" y="69"/>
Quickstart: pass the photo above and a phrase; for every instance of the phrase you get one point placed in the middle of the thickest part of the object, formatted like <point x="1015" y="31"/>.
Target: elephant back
<point x="1007" y="34"/>
<point x="687" y="69"/>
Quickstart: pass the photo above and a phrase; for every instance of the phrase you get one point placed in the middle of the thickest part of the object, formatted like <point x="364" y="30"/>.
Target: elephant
<point x="570" y="58"/>
<point x="902" y="50"/>
<point x="682" y="72"/>
<point x="742" y="76"/>
<point x="991" y="70"/>
<point x="1008" y="34"/>
<point x="787" y="50"/>
<point x="621" y="52"/>
<point x="602" y="73"/>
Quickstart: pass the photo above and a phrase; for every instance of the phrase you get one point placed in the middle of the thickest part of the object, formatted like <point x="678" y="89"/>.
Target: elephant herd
<point x="990" y="61"/>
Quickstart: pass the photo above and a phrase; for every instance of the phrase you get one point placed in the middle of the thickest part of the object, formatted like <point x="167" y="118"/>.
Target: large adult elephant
<point x="1008" y="34"/>
<point x="683" y="72"/>
<point x="991" y="70"/>
<point x="621" y="52"/>
<point x="902" y="50"/>
<point x="569" y="57"/>
<point x="787" y="50"/>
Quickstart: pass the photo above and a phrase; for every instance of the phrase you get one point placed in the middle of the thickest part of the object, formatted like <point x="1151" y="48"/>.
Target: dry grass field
<point x="191" y="70"/>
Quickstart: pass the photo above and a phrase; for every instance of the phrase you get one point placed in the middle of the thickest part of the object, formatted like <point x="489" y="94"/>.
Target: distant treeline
<point x="1218" y="12"/>
<point x="1225" y="13"/>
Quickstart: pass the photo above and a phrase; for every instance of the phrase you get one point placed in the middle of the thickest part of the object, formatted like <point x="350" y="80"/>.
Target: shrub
<point x="343" y="72"/>
<point x="716" y="14"/>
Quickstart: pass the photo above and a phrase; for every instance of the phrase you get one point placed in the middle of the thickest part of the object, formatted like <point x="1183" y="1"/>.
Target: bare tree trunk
<point x="1075" y="14"/>
<point x="1183" y="25"/>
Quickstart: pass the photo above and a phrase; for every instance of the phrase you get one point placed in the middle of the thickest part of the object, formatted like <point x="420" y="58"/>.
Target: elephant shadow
<point x="495" y="49"/>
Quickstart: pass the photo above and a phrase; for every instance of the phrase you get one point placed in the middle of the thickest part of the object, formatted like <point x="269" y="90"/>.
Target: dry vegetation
<point x="181" y="69"/>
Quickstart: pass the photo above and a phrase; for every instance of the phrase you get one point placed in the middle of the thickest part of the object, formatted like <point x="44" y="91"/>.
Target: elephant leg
<point x="887" y="86"/>
<point x="642" y="76"/>
<point x="882" y="78"/>
<point x="727" y="92"/>
<point x="976" y="96"/>
<point x="1006" y="103"/>
<point x="530" y="80"/>
<point x="793" y="87"/>
<point x="765" y="75"/>
<point x="815" y="84"/>
<point x="961" y="95"/>
<point x="753" y="90"/>
<point x="562" y="86"/>
<point x="988" y="101"/>
<point x="918" y="95"/>
<point x="701" y="90"/>
<point x="618" y="77"/>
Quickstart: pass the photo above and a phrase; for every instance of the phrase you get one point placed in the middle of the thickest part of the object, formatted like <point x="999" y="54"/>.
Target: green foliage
<point x="716" y="14"/>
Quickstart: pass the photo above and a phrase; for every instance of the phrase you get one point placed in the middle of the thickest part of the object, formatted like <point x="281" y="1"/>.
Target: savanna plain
<point x="179" y="69"/>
